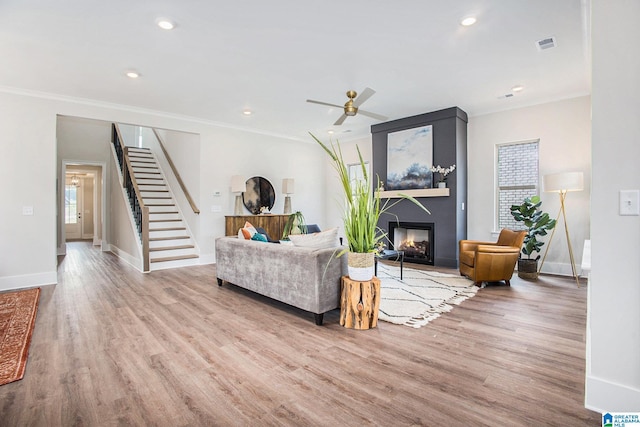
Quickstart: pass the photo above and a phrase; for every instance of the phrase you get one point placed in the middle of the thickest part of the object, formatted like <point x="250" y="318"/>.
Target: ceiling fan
<point x="351" y="107"/>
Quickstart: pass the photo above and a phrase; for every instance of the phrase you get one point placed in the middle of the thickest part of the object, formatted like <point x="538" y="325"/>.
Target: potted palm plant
<point x="362" y="210"/>
<point x="537" y="223"/>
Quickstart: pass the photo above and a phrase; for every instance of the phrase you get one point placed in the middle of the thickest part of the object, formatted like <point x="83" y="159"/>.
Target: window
<point x="355" y="172"/>
<point x="70" y="204"/>
<point x="517" y="178"/>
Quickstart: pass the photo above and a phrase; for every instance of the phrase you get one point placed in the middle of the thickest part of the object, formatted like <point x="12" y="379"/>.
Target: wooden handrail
<point x="177" y="175"/>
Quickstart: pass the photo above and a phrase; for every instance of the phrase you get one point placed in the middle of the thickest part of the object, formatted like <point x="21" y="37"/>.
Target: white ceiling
<point x="270" y="57"/>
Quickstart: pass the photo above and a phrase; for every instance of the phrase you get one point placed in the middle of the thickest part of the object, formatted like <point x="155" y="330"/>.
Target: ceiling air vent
<point x="547" y="43"/>
<point x="507" y="95"/>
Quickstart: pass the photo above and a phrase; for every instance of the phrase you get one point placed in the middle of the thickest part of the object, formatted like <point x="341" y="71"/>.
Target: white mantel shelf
<point x="426" y="192"/>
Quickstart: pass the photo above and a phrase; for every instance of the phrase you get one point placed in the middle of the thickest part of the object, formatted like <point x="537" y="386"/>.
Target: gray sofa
<point x="303" y="277"/>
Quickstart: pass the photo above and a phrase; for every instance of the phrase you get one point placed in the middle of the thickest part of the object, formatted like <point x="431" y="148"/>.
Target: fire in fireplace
<point x="415" y="239"/>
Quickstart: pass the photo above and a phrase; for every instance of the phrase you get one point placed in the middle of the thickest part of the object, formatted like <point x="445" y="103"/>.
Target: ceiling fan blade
<point x="372" y="115"/>
<point x="324" y="103"/>
<point x="340" y="120"/>
<point x="366" y="94"/>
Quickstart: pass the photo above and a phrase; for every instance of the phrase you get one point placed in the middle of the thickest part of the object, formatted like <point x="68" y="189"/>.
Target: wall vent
<point x="548" y="43"/>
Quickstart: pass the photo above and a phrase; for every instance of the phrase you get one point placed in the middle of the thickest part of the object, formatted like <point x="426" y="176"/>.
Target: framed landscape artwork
<point x="409" y="158"/>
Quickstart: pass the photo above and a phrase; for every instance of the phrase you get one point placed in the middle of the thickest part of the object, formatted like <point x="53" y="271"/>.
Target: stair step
<point x="167" y="229"/>
<point x="159" y="239"/>
<point x="173" y="258"/>
<point x="162" y="213"/>
<point x="166" y="220"/>
<point x="171" y="248"/>
<point x="137" y="173"/>
<point x="159" y="204"/>
<point x="144" y="167"/>
<point x="153" y="191"/>
<point x="157" y="197"/>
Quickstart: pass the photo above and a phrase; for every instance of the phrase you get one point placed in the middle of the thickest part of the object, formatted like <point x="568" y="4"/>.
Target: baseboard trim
<point x="604" y="396"/>
<point x="560" y="269"/>
<point x="126" y="257"/>
<point x="28" y="281"/>
<point x="207" y="259"/>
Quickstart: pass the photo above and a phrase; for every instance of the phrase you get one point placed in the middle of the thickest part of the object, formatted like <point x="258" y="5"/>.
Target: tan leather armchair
<point x="489" y="261"/>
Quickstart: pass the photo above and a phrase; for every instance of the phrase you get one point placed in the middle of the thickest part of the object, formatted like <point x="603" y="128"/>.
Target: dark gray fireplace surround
<point x="448" y="214"/>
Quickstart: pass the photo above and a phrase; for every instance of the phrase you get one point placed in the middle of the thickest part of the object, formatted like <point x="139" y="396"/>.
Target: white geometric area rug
<point x="421" y="296"/>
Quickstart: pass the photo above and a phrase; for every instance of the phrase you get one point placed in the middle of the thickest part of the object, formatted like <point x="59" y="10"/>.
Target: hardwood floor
<point x="112" y="346"/>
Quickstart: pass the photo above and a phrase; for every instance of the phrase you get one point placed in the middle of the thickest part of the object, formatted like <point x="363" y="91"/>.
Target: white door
<point x="72" y="210"/>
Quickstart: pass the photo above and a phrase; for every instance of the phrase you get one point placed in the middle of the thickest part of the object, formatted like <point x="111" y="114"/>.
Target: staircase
<point x="170" y="243"/>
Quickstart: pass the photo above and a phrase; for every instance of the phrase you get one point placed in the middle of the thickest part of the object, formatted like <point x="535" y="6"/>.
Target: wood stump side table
<point x="359" y="303"/>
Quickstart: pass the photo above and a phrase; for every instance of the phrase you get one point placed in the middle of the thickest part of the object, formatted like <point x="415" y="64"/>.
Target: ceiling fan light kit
<point x="350" y="108"/>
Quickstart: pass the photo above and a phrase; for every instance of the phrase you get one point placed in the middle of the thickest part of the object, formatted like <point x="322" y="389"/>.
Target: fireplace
<point x="415" y="239"/>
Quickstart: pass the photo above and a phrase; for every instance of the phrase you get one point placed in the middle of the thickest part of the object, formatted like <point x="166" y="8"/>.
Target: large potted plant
<point x="362" y="210"/>
<point x="537" y="223"/>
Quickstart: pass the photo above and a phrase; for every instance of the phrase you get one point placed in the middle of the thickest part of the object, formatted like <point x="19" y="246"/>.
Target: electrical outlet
<point x="629" y="202"/>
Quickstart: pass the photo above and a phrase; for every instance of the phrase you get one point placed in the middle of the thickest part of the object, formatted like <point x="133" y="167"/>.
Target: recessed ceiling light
<point x="133" y="74"/>
<point x="468" y="21"/>
<point x="517" y="88"/>
<point x="330" y="131"/>
<point x="165" y="24"/>
<point x="247" y="112"/>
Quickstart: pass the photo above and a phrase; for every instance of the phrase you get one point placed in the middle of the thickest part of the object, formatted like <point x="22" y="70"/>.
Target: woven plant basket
<point x="528" y="269"/>
<point x="361" y="266"/>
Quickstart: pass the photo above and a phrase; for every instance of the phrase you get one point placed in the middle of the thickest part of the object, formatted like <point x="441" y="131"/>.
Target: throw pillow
<point x="259" y="237"/>
<point x="263" y="231"/>
<point x="248" y="230"/>
<point x="313" y="228"/>
<point x="321" y="240"/>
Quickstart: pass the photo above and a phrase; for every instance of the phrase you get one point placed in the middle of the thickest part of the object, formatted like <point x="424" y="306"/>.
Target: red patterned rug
<point x="17" y="317"/>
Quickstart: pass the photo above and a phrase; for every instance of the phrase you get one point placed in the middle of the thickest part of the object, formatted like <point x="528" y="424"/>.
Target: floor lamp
<point x="562" y="183"/>
<point x="238" y="186"/>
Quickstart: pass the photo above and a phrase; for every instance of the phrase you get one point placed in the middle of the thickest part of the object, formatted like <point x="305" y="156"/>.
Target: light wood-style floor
<point x="112" y="346"/>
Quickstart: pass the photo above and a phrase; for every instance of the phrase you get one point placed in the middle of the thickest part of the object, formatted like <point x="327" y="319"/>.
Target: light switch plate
<point x="629" y="202"/>
<point x="27" y="210"/>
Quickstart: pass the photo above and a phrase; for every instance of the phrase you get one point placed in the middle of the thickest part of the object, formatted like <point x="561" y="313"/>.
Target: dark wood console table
<point x="273" y="224"/>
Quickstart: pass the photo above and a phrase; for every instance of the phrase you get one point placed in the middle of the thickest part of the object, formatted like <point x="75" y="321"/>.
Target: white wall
<point x="227" y="152"/>
<point x="28" y="176"/>
<point x="613" y="345"/>
<point x="563" y="129"/>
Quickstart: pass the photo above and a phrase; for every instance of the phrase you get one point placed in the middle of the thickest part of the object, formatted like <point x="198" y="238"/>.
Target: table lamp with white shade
<point x="238" y="186"/>
<point x="287" y="189"/>
<point x="562" y="183"/>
